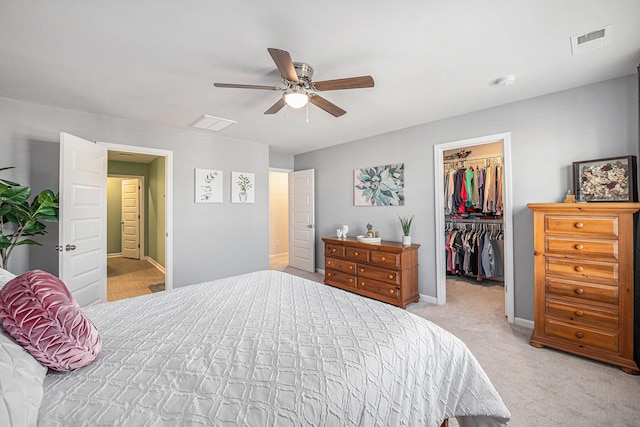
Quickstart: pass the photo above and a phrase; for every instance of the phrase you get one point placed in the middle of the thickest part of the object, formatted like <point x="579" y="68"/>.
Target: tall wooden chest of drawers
<point x="387" y="271"/>
<point x="584" y="280"/>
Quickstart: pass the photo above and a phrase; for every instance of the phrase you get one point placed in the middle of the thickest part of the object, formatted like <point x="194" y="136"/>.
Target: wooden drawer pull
<point x="579" y="225"/>
<point x="579" y="291"/>
<point x="362" y="283"/>
<point x="329" y="274"/>
<point x="356" y="253"/>
<point x="350" y="280"/>
<point x="579" y="247"/>
<point x="383" y="258"/>
<point x="579" y="313"/>
<point x="333" y="250"/>
<point x="351" y="267"/>
<point x="579" y="268"/>
<point x="391" y="276"/>
<point x="579" y="335"/>
<point x="361" y="270"/>
<point x="328" y="262"/>
<point x="391" y="291"/>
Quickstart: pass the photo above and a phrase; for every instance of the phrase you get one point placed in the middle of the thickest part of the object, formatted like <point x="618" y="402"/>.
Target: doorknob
<point x="59" y="248"/>
<point x="310" y="226"/>
<point x="70" y="247"/>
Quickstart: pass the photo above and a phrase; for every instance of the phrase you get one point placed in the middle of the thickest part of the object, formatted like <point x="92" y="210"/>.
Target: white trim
<point x="429" y="299"/>
<point x="280" y="170"/>
<point x="156" y="265"/>
<point x="280" y="254"/>
<point x="524" y="322"/>
<point x="320" y="270"/>
<point x="168" y="201"/>
<point x="114" y="255"/>
<point x="438" y="159"/>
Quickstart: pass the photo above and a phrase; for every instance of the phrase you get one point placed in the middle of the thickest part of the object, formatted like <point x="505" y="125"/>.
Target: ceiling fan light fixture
<point x="296" y="98"/>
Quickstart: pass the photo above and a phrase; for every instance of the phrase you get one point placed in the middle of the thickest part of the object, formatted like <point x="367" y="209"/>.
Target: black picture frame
<point x="611" y="179"/>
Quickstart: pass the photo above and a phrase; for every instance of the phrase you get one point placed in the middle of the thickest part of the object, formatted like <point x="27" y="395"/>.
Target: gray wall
<point x="279" y="160"/>
<point x="210" y="240"/>
<point x="548" y="133"/>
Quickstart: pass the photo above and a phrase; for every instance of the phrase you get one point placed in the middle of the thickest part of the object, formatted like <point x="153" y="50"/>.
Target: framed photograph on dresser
<point x="605" y="180"/>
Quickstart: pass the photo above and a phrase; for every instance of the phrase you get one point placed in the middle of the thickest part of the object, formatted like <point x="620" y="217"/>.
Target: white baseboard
<point x="320" y="270"/>
<point x="115" y="255"/>
<point x="523" y="322"/>
<point x="156" y="265"/>
<point x="427" y="298"/>
<point x="277" y="255"/>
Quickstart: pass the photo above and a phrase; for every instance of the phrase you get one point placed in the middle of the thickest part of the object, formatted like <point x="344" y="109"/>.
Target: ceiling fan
<point x="300" y="89"/>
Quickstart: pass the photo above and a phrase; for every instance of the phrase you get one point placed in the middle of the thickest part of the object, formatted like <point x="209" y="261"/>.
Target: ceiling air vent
<point x="207" y="122"/>
<point x="591" y="40"/>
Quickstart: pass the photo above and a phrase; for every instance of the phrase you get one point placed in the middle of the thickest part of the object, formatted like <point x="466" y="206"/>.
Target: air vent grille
<point x="207" y="122"/>
<point x="591" y="40"/>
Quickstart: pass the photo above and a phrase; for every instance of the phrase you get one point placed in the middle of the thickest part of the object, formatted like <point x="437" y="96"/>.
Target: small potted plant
<point x="406" y="229"/>
<point x="245" y="184"/>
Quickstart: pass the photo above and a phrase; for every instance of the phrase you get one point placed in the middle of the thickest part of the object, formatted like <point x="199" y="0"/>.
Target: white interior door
<point x="302" y="232"/>
<point x="130" y="218"/>
<point x="83" y="213"/>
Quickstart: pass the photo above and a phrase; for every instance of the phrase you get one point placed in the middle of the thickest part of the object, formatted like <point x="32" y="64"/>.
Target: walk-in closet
<point x="474" y="206"/>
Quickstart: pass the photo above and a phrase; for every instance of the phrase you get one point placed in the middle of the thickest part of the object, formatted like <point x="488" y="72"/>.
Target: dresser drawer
<point x="377" y="273"/>
<point x="385" y="259"/>
<point x="584" y="291"/>
<point x="383" y="289"/>
<point x="583" y="313"/>
<point x="583" y="225"/>
<point x="607" y="340"/>
<point x="334" y="250"/>
<point x="357" y="254"/>
<point x="340" y="264"/>
<point x="607" y="249"/>
<point x="580" y="268"/>
<point x="339" y="277"/>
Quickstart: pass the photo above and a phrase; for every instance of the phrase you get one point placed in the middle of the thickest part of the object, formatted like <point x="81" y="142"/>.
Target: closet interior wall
<point x="474" y="231"/>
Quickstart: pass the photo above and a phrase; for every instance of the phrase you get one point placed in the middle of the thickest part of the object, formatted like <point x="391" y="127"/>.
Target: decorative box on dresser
<point x="387" y="271"/>
<point x="584" y="280"/>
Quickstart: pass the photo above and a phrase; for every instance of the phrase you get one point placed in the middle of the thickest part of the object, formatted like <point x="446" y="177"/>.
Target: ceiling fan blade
<point x="247" y="86"/>
<point x="327" y="106"/>
<point x="276" y="107"/>
<point x="348" y="83"/>
<point x="284" y="63"/>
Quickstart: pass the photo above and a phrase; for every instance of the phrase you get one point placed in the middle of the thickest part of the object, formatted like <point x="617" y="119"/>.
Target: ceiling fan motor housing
<point x="303" y="71"/>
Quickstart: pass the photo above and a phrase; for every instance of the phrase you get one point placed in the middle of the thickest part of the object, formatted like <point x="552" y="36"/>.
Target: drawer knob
<point x="350" y="280"/>
<point x="329" y="274"/>
<point x="579" y="335"/>
<point x="362" y="283"/>
<point x="579" y="268"/>
<point x="333" y="250"/>
<point x="391" y="276"/>
<point x="391" y="291"/>
<point x="328" y="262"/>
<point x="579" y="225"/>
<point x="361" y="270"/>
<point x="356" y="253"/>
<point x="579" y="247"/>
<point x="383" y="258"/>
<point x="579" y="291"/>
<point x="351" y="267"/>
<point x="579" y="313"/>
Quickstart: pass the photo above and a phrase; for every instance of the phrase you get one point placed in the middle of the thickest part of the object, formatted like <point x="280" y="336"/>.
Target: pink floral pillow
<point x="38" y="311"/>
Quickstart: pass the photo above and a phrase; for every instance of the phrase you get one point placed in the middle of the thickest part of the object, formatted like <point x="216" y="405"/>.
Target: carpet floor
<point x="127" y="278"/>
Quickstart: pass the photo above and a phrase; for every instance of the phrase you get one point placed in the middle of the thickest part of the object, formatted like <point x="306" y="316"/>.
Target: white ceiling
<point x="156" y="61"/>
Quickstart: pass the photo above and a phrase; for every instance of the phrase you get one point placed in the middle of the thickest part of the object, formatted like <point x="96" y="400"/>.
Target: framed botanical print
<point x="605" y="180"/>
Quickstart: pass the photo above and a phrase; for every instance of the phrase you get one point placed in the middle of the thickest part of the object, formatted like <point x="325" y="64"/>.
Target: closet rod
<point x="473" y="159"/>
<point x="475" y="221"/>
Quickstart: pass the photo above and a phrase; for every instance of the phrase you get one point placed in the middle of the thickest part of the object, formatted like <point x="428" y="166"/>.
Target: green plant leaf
<point x="28" y="242"/>
<point x="16" y="194"/>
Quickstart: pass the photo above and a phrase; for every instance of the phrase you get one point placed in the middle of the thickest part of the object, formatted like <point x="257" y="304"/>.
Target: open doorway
<point x="136" y="224"/>
<point x="278" y="219"/>
<point x="504" y="223"/>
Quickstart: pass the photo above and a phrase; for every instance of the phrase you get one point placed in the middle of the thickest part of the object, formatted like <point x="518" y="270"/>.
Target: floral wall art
<point x="605" y="180"/>
<point x="242" y="187"/>
<point x="379" y="185"/>
<point x="208" y="186"/>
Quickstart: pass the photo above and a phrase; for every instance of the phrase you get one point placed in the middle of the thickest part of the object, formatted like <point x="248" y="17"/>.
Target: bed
<point x="269" y="349"/>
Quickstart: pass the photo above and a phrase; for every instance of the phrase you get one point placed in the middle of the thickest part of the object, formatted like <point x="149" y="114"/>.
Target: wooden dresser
<point x="584" y="280"/>
<point x="387" y="271"/>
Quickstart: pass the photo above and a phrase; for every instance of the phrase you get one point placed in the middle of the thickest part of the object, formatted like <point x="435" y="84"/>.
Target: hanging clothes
<point x="473" y="189"/>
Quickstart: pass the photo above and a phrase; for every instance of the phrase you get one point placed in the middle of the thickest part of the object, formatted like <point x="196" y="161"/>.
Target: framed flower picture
<point x="605" y="180"/>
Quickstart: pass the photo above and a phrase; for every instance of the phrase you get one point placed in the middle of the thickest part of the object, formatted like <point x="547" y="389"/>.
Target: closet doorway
<point x="506" y="223"/>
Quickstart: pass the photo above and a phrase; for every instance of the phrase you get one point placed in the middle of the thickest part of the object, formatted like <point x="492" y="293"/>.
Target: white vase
<point x="406" y="240"/>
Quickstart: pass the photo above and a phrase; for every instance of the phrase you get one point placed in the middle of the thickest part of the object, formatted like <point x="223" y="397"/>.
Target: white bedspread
<point x="269" y="349"/>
